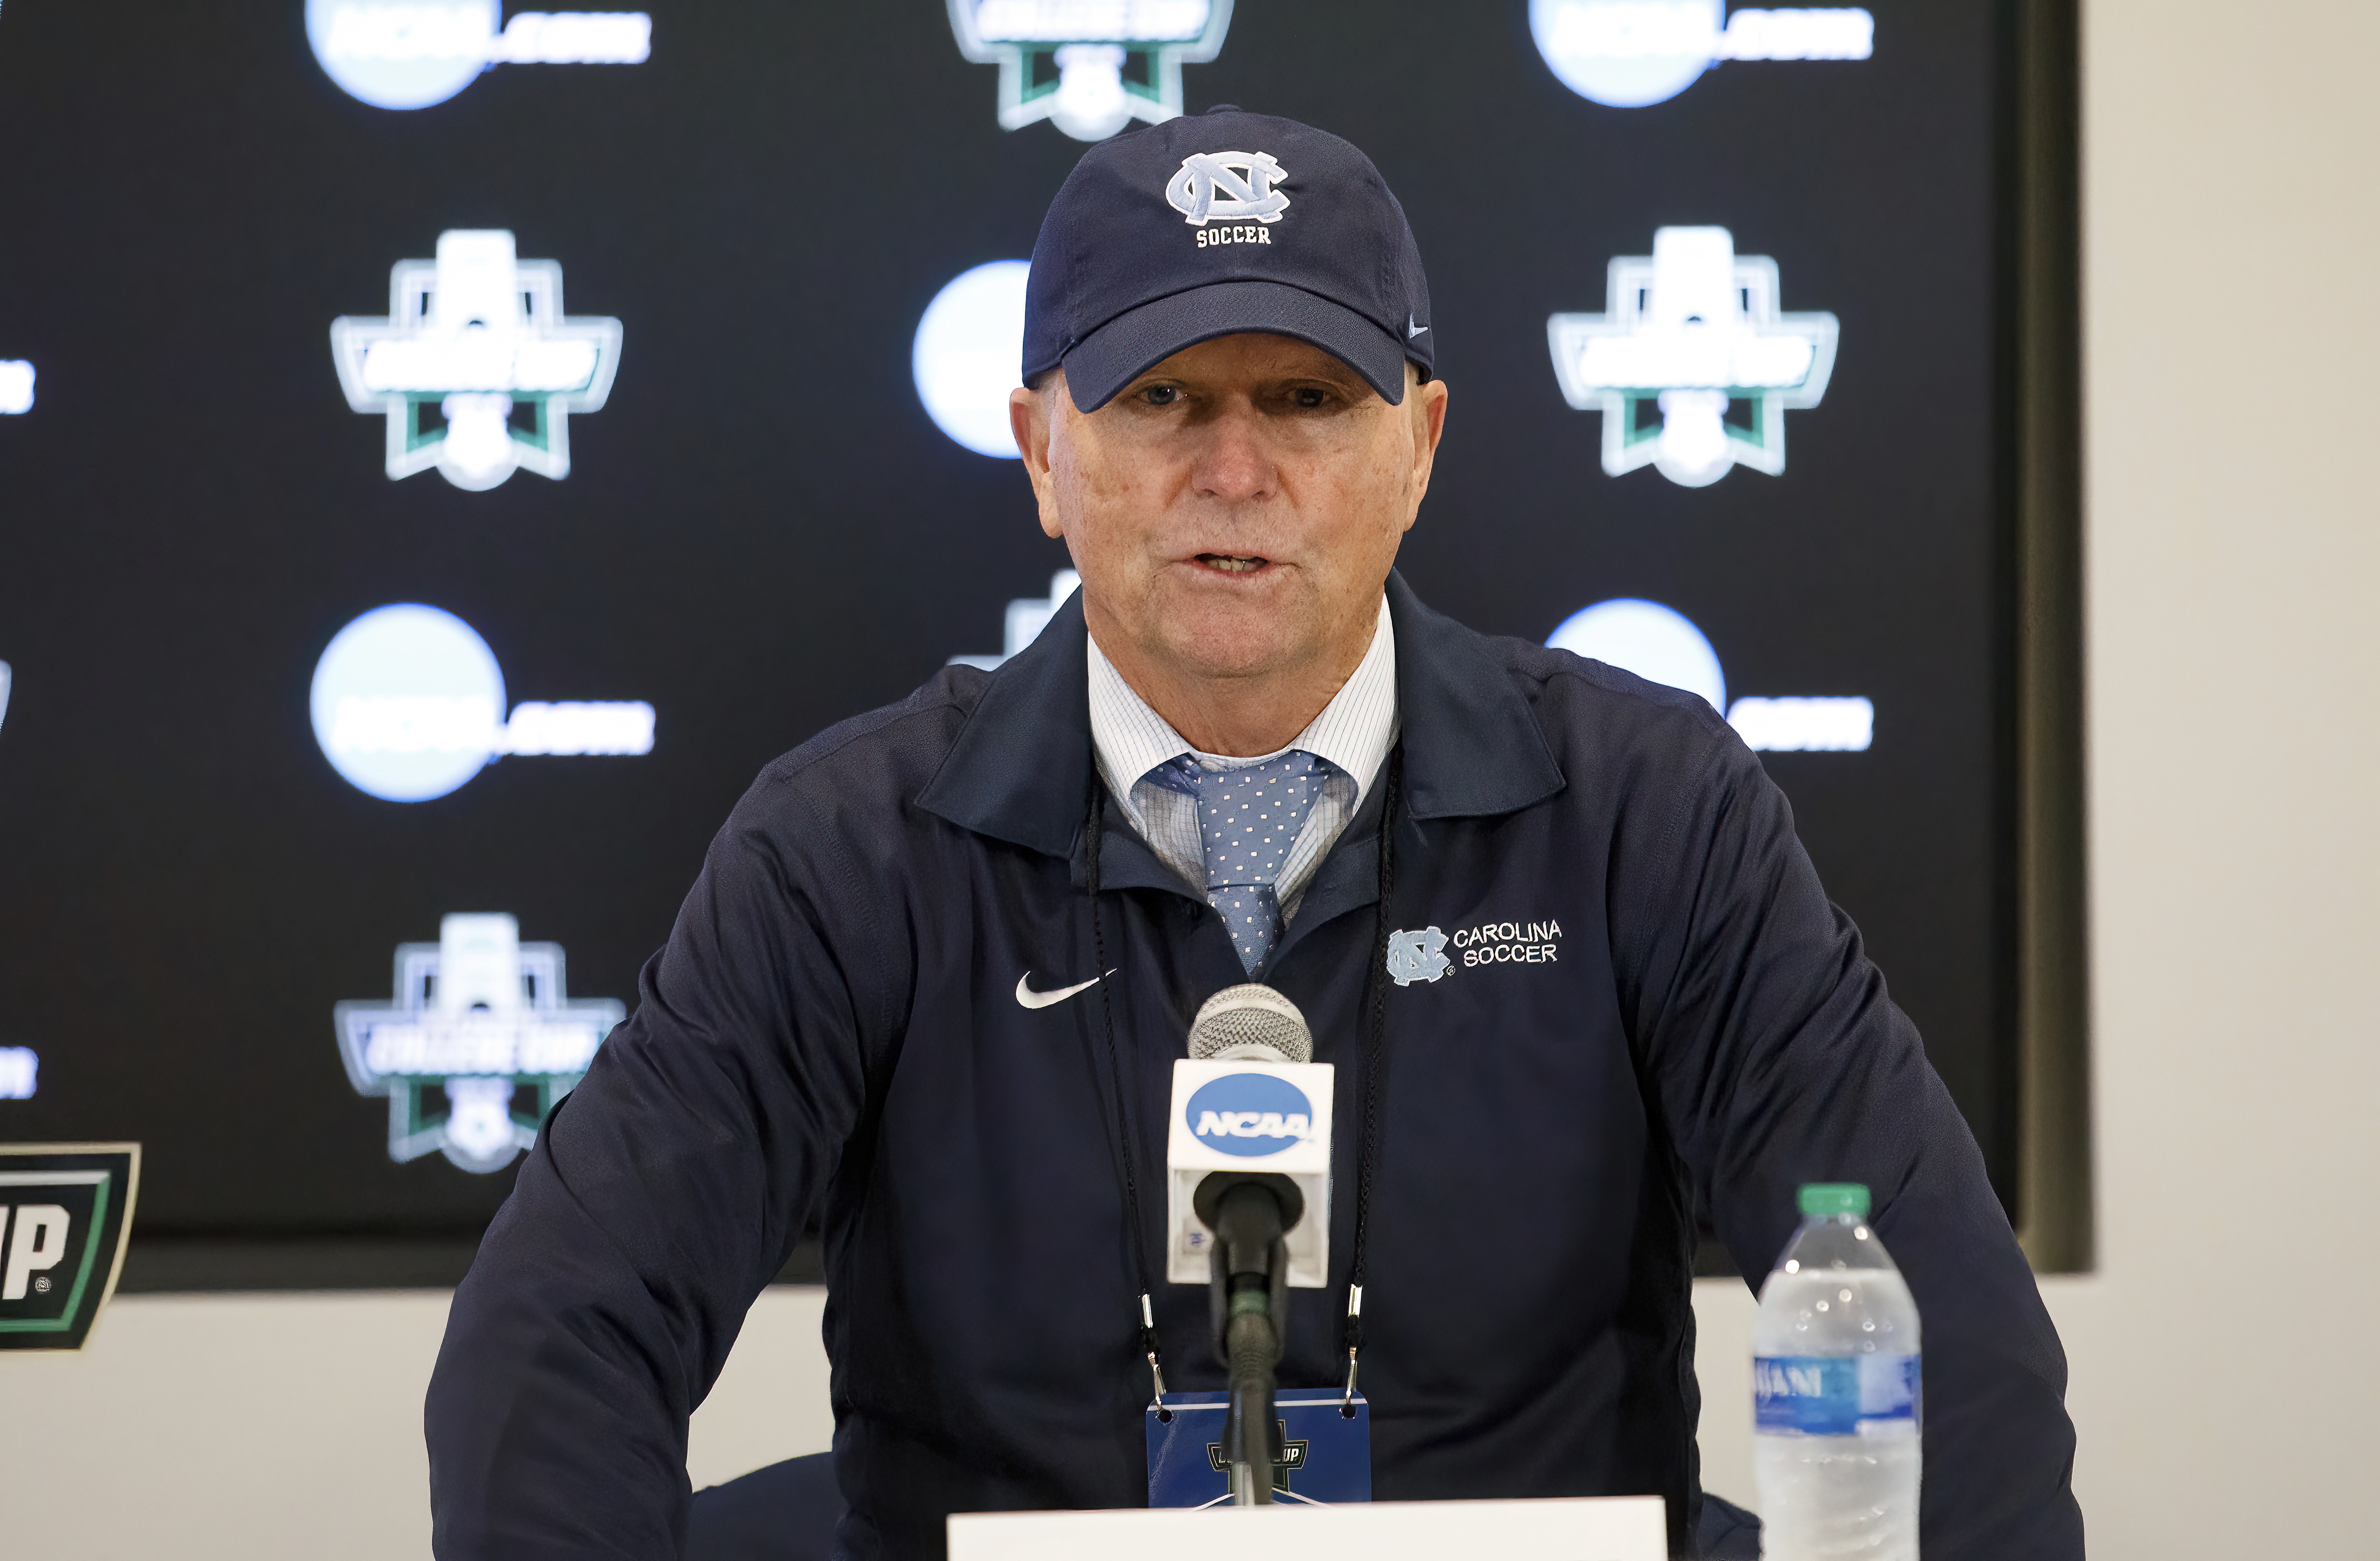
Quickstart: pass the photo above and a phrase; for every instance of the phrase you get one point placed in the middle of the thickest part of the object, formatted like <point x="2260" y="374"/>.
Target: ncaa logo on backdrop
<point x="1089" y="67"/>
<point x="412" y="53"/>
<point x="1693" y="331"/>
<point x="1630" y="53"/>
<point x="964" y="357"/>
<point x="1662" y="645"/>
<point x="1249" y="1114"/>
<point x="21" y="1072"/>
<point x="408" y="704"/>
<point x="478" y="336"/>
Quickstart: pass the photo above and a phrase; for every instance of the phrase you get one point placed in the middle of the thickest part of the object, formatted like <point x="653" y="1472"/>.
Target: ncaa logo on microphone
<point x="1249" y="1114"/>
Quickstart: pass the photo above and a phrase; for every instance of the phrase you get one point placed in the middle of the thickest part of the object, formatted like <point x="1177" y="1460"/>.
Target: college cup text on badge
<point x="1089" y="67"/>
<point x="484" y="1020"/>
<point x="476" y="335"/>
<point x="1693" y="331"/>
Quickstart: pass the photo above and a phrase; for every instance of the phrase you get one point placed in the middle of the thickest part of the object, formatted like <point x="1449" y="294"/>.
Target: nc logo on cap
<point x="1249" y="1114"/>
<point x="1206" y="190"/>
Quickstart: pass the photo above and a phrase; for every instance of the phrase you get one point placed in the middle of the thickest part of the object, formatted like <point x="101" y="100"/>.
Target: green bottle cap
<point x="1822" y="1198"/>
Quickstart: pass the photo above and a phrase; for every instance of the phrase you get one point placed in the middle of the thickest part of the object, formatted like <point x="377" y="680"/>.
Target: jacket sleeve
<point x="1777" y="1060"/>
<point x="662" y="1194"/>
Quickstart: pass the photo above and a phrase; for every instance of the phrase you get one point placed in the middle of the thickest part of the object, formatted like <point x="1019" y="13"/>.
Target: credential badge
<point x="1417" y="956"/>
<point x="1207" y="189"/>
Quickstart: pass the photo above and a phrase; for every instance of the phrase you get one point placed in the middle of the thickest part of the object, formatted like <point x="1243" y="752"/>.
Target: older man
<point x="924" y="998"/>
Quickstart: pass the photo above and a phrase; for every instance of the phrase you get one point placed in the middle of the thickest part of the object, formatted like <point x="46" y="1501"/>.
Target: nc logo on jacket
<point x="1249" y="1114"/>
<point x="1207" y="189"/>
<point x="1417" y="956"/>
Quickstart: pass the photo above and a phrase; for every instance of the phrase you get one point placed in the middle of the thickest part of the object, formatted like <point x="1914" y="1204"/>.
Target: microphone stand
<point x="1250" y="1214"/>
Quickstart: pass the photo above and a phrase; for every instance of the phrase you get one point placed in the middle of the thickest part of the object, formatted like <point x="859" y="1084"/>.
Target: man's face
<point x="1234" y="510"/>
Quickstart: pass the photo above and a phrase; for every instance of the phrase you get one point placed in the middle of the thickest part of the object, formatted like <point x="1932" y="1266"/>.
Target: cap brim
<point x="1110" y="357"/>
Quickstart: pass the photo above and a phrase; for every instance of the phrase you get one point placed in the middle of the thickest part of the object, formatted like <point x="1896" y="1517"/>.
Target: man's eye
<point x="1162" y="394"/>
<point x="1307" y="396"/>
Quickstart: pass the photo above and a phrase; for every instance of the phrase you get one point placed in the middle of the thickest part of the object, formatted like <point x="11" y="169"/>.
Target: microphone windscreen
<point x="1243" y="1022"/>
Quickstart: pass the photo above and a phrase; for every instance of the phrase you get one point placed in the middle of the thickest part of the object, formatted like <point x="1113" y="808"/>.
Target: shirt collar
<point x="1022" y="760"/>
<point x="1354" y="731"/>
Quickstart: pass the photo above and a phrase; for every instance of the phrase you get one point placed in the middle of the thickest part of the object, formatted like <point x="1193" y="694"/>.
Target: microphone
<point x="1249" y="1152"/>
<point x="1250" y="1022"/>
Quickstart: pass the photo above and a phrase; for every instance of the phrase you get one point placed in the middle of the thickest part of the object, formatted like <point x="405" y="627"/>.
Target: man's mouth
<point x="1232" y="564"/>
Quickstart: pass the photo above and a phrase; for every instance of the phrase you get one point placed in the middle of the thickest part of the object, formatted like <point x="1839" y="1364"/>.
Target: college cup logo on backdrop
<point x="480" y="1018"/>
<point x="1693" y="331"/>
<point x="477" y="335"/>
<point x="1089" y="67"/>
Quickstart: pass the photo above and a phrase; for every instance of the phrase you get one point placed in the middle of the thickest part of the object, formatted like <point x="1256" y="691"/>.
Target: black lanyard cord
<point x="1094" y="829"/>
<point x="1375" y="1065"/>
<point x="1375" y="1060"/>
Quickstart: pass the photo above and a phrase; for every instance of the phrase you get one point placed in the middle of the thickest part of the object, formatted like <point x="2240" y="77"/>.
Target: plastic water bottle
<point x="1836" y="1391"/>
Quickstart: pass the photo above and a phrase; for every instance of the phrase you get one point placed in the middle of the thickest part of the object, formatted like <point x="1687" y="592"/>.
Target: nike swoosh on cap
<point x="1413" y="330"/>
<point x="1027" y="998"/>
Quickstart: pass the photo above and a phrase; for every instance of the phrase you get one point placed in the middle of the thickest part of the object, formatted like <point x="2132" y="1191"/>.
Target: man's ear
<point x="1427" y="399"/>
<point x="1029" y="414"/>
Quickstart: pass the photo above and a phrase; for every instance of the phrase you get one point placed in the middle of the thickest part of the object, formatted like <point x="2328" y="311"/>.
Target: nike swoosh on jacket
<point x="1029" y="998"/>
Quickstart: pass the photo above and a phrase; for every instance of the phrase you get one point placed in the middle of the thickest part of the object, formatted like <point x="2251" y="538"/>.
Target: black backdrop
<point x="763" y="532"/>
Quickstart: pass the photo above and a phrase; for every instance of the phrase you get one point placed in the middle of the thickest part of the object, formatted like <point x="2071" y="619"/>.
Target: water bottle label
<point x="1835" y="1395"/>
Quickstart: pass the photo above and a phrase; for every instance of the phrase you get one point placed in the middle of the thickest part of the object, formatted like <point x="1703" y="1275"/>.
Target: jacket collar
<point x="1020" y="769"/>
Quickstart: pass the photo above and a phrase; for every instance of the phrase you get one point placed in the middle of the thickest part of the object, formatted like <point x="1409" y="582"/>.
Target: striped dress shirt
<point x="1136" y="746"/>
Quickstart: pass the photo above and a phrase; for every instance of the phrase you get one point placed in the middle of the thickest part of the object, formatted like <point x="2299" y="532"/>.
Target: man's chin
<point x="1235" y="653"/>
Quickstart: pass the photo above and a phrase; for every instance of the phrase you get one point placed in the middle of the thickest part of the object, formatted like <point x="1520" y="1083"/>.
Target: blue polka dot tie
<point x="1248" y="821"/>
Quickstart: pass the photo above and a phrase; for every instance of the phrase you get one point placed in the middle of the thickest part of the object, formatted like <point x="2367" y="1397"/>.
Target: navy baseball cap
<point x="1213" y="224"/>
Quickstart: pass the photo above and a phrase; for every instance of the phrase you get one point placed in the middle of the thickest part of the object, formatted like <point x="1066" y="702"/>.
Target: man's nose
<point x="1233" y="463"/>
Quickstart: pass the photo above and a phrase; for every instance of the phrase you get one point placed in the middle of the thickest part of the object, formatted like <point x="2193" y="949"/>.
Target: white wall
<point x="2230" y="331"/>
<point x="2224" y="1367"/>
<point x="288" y="1427"/>
<point x="2233" y="318"/>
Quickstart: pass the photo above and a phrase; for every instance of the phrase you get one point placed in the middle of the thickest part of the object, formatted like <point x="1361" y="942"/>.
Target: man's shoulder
<point x="879" y="759"/>
<point x="1585" y="707"/>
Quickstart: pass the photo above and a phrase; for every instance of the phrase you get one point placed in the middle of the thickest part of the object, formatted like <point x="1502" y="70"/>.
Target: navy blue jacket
<point x="832" y="1043"/>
